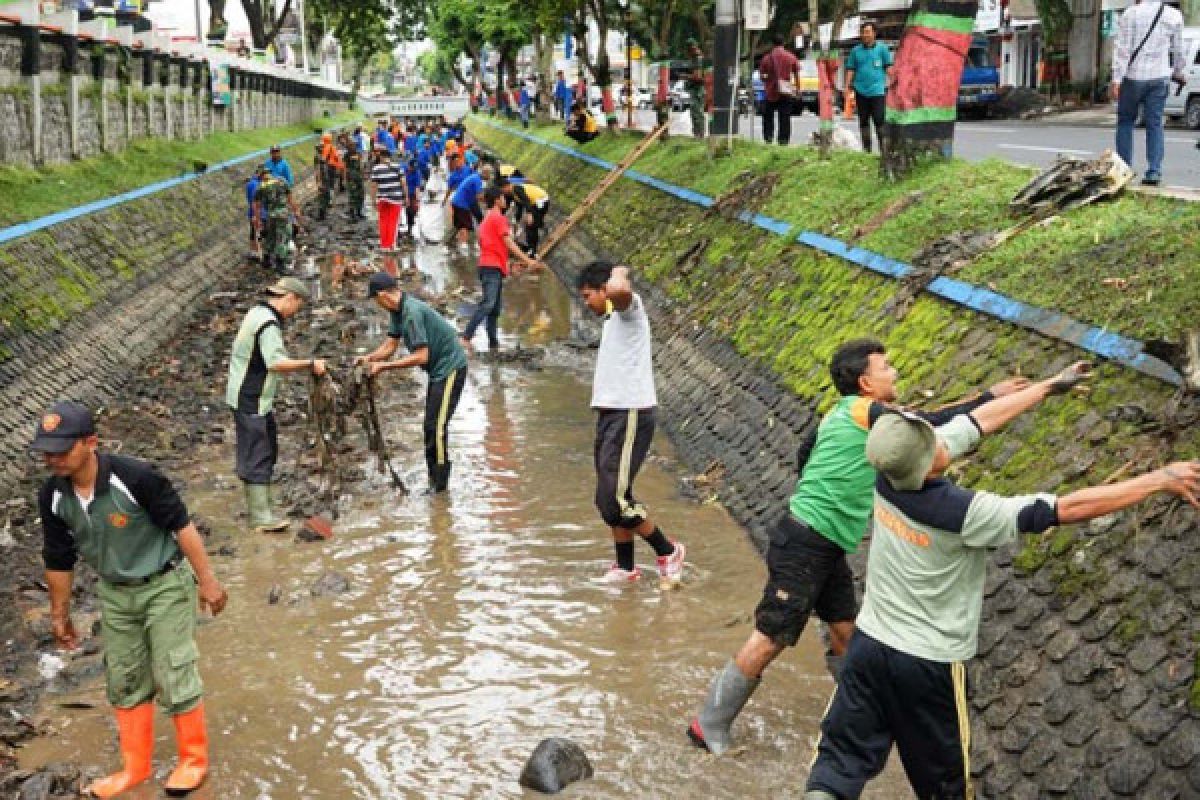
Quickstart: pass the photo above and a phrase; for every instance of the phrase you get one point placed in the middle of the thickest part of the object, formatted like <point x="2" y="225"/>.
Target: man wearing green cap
<point x="433" y="345"/>
<point x="697" y="100"/>
<point x="904" y="677"/>
<point x="257" y="360"/>
<point x="125" y="519"/>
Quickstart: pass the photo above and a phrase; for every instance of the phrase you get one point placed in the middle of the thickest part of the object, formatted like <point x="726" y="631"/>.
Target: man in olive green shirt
<point x="432" y="344"/>
<point x="125" y="519"/>
<point x="826" y="519"/>
<point x="257" y="360"/>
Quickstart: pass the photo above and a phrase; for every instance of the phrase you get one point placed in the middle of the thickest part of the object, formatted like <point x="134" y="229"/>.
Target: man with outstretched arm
<point x="624" y="398"/>
<point x="826" y="518"/>
<point x="432" y="345"/>
<point x="125" y="519"/>
<point x="904" y="678"/>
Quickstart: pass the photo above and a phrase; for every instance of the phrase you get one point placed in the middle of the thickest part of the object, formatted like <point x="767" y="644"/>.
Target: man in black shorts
<point x="826" y="518"/>
<point x="464" y="204"/>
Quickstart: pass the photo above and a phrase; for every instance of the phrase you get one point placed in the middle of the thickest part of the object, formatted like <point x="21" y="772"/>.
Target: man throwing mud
<point x="826" y="519"/>
<point x="127" y="522"/>
<point x="624" y="398"/>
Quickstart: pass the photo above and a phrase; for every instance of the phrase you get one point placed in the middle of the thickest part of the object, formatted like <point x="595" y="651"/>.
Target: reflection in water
<point x="475" y="626"/>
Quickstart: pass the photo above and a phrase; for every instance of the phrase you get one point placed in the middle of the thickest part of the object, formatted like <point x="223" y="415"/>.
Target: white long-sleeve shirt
<point x="1162" y="51"/>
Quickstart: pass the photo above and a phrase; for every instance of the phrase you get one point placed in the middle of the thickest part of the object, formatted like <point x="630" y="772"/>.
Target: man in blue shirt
<point x="410" y="140"/>
<point x="384" y="137"/>
<point x="457" y="175"/>
<point x="414" y="180"/>
<point x="869" y="71"/>
<point x="277" y="166"/>
<point x="562" y="96"/>
<point x="464" y="204"/>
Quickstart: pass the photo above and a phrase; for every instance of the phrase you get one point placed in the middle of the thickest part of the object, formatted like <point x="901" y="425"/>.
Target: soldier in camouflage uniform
<point x="354" y="180"/>
<point x="274" y="197"/>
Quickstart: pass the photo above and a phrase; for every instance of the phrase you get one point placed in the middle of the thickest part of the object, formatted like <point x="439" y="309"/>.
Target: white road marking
<point x="979" y="129"/>
<point x="1044" y="149"/>
<point x="1177" y="140"/>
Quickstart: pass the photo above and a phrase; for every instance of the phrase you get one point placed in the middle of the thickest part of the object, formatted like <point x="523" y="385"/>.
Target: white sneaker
<point x="671" y="567"/>
<point x="617" y="575"/>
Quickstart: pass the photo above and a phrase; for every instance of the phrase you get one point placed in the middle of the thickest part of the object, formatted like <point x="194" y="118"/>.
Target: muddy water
<point x="474" y="625"/>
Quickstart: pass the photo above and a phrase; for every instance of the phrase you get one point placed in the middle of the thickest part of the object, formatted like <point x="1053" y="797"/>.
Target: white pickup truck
<point x="1183" y="102"/>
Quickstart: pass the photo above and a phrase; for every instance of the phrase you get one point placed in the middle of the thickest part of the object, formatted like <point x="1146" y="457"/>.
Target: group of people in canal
<point x="898" y="658"/>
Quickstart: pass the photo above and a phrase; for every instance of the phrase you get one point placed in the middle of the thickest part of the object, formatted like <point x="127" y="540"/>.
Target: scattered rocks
<point x="555" y="764"/>
<point x="330" y="583"/>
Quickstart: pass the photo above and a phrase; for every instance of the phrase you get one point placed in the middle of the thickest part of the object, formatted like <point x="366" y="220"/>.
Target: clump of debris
<point x="1072" y="182"/>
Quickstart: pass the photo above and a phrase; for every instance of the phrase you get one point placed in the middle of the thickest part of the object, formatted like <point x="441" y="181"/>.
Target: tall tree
<point x="923" y="104"/>
<point x="364" y="28"/>
<point x="455" y="27"/>
<point x="264" y="24"/>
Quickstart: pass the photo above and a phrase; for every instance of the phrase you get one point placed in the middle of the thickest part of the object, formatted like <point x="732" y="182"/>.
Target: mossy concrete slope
<point x="1085" y="681"/>
<point x="84" y="302"/>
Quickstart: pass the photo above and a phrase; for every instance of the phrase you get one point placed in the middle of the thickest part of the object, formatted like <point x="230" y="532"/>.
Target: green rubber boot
<point x="262" y="517"/>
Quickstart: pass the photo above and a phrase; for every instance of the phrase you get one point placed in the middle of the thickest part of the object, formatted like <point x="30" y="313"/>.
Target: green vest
<point x="115" y="535"/>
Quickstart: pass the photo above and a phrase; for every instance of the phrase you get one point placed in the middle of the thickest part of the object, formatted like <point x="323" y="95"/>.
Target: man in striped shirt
<point x="390" y="193"/>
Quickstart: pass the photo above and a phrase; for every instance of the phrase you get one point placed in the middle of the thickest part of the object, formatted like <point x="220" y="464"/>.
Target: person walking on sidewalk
<point x="563" y="96"/>
<point x="869" y="72"/>
<point x="697" y="90"/>
<point x="1148" y="54"/>
<point x="496" y="244"/>
<point x="255" y="364"/>
<point x="432" y="345"/>
<point x="624" y="399"/>
<point x="780" y="71"/>
<point x="825" y="520"/>
<point x="328" y="165"/>
<point x="127" y="522"/>
<point x="904" y="679"/>
<point x="389" y="193"/>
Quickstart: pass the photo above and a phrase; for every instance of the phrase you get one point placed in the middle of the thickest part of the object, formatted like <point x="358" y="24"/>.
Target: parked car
<point x="679" y="97"/>
<point x="979" y="88"/>
<point x="642" y="98"/>
<point x="1183" y="102"/>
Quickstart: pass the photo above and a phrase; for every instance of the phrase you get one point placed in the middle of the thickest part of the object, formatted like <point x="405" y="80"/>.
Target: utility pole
<point x="199" y="24"/>
<point x="303" y="36"/>
<point x="725" y="45"/>
<point x="628" y="72"/>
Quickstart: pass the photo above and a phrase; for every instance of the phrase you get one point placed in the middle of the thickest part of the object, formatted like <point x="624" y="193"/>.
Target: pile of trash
<point x="1072" y="182"/>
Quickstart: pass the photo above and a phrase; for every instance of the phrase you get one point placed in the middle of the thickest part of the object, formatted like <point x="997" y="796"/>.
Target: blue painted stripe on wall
<point x="1054" y="324"/>
<point x="41" y="223"/>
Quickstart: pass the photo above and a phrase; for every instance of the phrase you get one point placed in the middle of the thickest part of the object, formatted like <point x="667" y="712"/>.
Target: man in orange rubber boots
<point x="125" y="519"/>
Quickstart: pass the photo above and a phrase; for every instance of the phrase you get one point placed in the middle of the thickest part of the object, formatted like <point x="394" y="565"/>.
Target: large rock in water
<point x="555" y="763"/>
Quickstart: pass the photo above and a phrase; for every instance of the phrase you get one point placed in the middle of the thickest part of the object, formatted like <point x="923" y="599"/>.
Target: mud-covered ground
<point x="170" y="407"/>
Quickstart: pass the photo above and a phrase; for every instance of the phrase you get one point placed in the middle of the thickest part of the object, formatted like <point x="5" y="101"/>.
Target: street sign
<point x="756" y="14"/>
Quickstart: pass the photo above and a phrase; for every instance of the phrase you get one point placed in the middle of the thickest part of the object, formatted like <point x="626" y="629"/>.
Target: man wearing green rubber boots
<point x="125" y="519"/>
<point x="254" y="367"/>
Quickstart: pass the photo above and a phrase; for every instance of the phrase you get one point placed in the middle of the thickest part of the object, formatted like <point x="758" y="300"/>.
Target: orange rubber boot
<point x="136" y="729"/>
<point x="191" y="737"/>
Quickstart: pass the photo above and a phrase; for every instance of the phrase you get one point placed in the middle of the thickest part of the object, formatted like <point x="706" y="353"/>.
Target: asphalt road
<point x="1031" y="143"/>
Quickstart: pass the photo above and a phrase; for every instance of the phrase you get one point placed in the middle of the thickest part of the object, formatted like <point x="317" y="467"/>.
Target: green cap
<point x="285" y="285"/>
<point x="902" y="447"/>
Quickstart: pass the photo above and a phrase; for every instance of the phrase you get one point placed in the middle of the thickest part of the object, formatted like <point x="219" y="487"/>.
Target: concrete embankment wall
<point x="1085" y="682"/>
<point x="63" y="98"/>
<point x="85" y="301"/>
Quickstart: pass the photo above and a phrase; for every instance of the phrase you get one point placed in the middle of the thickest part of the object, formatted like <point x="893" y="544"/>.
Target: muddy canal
<point x="472" y="625"/>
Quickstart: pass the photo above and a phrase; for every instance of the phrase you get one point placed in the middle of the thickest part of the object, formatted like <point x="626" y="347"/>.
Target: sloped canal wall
<point x="1085" y="684"/>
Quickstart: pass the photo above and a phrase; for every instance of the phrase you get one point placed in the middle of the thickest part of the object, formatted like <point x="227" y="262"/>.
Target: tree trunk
<point x="543" y="45"/>
<point x="263" y="29"/>
<point x="922" y="104"/>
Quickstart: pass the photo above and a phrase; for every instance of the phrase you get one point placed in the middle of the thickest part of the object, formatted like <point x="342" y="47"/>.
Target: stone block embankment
<point x="1085" y="683"/>
<point x="84" y="302"/>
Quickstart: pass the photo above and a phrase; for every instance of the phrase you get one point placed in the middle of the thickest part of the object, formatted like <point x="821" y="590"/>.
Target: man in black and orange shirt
<point x="496" y="243"/>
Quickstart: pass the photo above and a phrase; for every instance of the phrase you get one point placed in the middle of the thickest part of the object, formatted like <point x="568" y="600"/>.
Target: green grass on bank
<point x="29" y="193"/>
<point x="1151" y="243"/>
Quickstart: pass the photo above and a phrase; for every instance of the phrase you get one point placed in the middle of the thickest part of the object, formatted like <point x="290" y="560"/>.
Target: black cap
<point x="61" y="426"/>
<point x="380" y="282"/>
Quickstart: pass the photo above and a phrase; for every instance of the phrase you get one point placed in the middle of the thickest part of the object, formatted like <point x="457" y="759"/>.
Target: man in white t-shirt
<point x="624" y="398"/>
